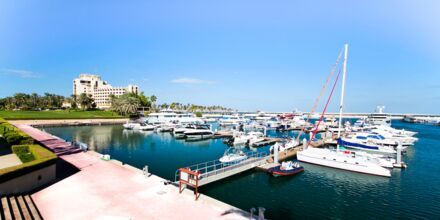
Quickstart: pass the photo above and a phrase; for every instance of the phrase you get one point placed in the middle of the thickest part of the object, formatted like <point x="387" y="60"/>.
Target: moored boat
<point x="286" y="169"/>
<point x="233" y="155"/>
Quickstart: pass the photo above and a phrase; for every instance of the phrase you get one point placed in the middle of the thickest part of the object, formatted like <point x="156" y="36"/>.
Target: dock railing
<point x="215" y="167"/>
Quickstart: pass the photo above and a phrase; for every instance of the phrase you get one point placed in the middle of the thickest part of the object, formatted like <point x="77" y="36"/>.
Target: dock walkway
<point x="111" y="190"/>
<point x="55" y="144"/>
<point x="212" y="171"/>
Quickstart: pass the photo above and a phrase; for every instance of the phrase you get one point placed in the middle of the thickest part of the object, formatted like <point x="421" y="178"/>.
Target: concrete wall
<point x="29" y="181"/>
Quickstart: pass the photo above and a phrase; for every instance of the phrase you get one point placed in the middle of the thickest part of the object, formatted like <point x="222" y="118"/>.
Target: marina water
<point x="319" y="192"/>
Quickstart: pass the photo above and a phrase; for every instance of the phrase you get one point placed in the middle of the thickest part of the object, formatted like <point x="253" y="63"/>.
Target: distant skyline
<point x="246" y="55"/>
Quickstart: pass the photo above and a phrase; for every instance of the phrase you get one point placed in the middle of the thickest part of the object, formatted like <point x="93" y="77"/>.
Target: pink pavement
<point x="110" y="190"/>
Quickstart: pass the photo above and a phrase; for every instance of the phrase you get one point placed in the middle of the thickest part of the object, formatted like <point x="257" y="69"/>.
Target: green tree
<point x="85" y="101"/>
<point x="153" y="98"/>
<point x="126" y="104"/>
<point x="144" y="100"/>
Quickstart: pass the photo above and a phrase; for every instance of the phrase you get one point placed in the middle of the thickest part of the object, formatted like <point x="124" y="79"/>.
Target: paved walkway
<point x="9" y="160"/>
<point x="108" y="189"/>
<point x="69" y="121"/>
<point x="53" y="143"/>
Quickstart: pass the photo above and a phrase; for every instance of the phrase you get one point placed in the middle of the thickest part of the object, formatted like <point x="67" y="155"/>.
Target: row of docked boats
<point x="190" y="132"/>
<point x="181" y="125"/>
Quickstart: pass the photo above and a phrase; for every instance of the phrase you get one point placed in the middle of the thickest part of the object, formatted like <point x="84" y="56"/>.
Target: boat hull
<point x="277" y="171"/>
<point x="196" y="137"/>
<point x="339" y="163"/>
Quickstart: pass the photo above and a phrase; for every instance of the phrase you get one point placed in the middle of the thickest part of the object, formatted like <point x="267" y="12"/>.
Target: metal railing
<point x="215" y="167"/>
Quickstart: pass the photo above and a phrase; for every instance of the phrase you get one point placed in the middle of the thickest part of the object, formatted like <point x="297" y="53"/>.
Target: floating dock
<point x="267" y="141"/>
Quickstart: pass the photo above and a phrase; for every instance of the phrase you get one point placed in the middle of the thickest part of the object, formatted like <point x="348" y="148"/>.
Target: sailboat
<point x="344" y="160"/>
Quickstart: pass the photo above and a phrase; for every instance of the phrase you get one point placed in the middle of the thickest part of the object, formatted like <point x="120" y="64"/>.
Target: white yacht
<point x="138" y="126"/>
<point x="345" y="160"/>
<point x="179" y="132"/>
<point x="369" y="142"/>
<point x="379" y="117"/>
<point x="403" y="139"/>
<point x="394" y="131"/>
<point x="231" y="120"/>
<point x="169" y="116"/>
<point x="200" y="132"/>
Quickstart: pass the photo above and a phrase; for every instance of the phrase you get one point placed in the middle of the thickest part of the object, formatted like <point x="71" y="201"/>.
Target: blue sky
<point x="248" y="55"/>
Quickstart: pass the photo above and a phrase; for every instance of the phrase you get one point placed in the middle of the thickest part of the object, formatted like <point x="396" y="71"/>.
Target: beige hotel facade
<point x="99" y="89"/>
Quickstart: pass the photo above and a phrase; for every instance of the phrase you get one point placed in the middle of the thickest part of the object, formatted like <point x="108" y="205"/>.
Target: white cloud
<point x="19" y="73"/>
<point x="186" y="80"/>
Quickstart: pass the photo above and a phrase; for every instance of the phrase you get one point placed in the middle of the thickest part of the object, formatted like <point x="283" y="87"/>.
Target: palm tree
<point x="126" y="104"/>
<point x="85" y="101"/>
<point x="153" y="98"/>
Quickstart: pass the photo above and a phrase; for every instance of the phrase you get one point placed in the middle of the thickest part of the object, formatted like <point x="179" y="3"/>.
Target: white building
<point x="99" y="89"/>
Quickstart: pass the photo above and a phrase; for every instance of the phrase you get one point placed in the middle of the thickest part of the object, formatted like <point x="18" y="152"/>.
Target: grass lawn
<point x="57" y="114"/>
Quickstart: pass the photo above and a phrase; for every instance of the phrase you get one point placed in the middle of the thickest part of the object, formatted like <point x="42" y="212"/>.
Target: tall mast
<point x="344" y="71"/>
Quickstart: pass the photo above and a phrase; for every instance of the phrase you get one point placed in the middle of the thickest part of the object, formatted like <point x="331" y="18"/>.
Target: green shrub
<point x="26" y="140"/>
<point x="13" y="138"/>
<point x="23" y="152"/>
<point x="13" y="135"/>
<point x="42" y="158"/>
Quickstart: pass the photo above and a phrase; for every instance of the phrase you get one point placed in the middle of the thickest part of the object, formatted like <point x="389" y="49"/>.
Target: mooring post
<point x="261" y="213"/>
<point x="145" y="171"/>
<point x="399" y="154"/>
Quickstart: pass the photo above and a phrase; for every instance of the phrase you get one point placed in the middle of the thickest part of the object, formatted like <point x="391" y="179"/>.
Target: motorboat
<point x="284" y="146"/>
<point x="231" y="120"/>
<point x="166" y="127"/>
<point x="233" y="155"/>
<point x="400" y="132"/>
<point x="200" y="132"/>
<point x="369" y="142"/>
<point x="403" y="139"/>
<point x="179" y="132"/>
<point x="138" y="126"/>
<point x="272" y="124"/>
<point x="129" y="125"/>
<point x="286" y="169"/>
<point x="242" y="138"/>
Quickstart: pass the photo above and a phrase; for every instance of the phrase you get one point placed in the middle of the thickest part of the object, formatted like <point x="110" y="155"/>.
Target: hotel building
<point x="99" y="89"/>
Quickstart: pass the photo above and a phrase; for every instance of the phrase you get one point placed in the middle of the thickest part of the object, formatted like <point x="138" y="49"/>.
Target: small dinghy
<point x="286" y="169"/>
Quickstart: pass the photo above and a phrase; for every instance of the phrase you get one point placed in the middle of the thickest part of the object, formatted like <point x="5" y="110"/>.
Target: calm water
<point x="319" y="192"/>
